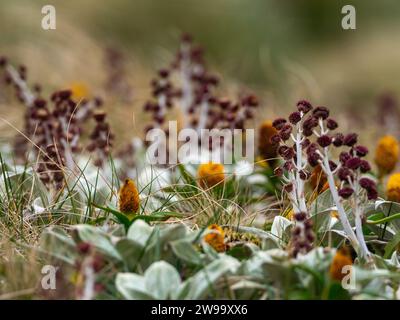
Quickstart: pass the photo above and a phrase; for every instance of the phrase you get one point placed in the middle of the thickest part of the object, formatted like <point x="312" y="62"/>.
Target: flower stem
<point x="342" y="214"/>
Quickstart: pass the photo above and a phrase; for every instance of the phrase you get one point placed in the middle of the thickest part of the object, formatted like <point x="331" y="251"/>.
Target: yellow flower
<point x="393" y="188"/>
<point x="341" y="259"/>
<point x="216" y="238"/>
<point x="79" y="91"/>
<point x="128" y="201"/>
<point x="210" y="174"/>
<point x="387" y="154"/>
<point x="268" y="150"/>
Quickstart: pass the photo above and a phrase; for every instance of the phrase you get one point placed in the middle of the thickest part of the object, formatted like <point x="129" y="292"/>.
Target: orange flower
<point x="128" y="201"/>
<point x="79" y="91"/>
<point x="210" y="174"/>
<point x="393" y="188"/>
<point x="341" y="259"/>
<point x="387" y="154"/>
<point x="268" y="150"/>
<point x="216" y="238"/>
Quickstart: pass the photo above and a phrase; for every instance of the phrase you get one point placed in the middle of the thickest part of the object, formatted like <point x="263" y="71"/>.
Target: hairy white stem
<point x="354" y="239"/>
<point x="293" y="194"/>
<point x="336" y="199"/>
<point x="364" y="249"/>
<point x="297" y="196"/>
<point x="358" y="223"/>
<point x="27" y="95"/>
<point x="299" y="165"/>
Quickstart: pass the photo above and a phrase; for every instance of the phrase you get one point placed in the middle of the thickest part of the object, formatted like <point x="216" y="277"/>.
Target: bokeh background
<point x="282" y="50"/>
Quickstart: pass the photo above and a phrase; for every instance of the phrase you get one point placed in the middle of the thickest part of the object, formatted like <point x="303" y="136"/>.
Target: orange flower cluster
<point x="128" y="201"/>
<point x="387" y="154"/>
<point x="210" y="174"/>
<point x="393" y="188"/>
<point x="216" y="238"/>
<point x="266" y="148"/>
<point x="341" y="259"/>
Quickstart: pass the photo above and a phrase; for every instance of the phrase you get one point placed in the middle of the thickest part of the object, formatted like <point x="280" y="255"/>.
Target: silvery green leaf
<point x="322" y="220"/>
<point x="391" y="264"/>
<point x="317" y="259"/>
<point x="363" y="275"/>
<point x="377" y="229"/>
<point x="116" y="232"/>
<point x="387" y="208"/>
<point x="246" y="284"/>
<point x="255" y="265"/>
<point x="19" y="178"/>
<point x="340" y="233"/>
<point x="376" y="288"/>
<point x="323" y="202"/>
<point x="98" y="239"/>
<point x="162" y="280"/>
<point x="199" y="285"/>
<point x="279" y="229"/>
<point x="209" y="251"/>
<point x="132" y="287"/>
<point x="57" y="243"/>
<point x="130" y="251"/>
<point x="140" y="232"/>
<point x="382" y="204"/>
<point x="185" y="251"/>
<point x="173" y="232"/>
<point x="270" y="243"/>
<point x="394" y="260"/>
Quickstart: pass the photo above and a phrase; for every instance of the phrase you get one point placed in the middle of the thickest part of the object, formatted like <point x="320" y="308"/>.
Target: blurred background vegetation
<point x="282" y="50"/>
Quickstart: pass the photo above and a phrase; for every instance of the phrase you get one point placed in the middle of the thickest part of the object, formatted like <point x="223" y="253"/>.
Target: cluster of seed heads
<point x="188" y="84"/>
<point x="304" y="141"/>
<point x="302" y="234"/>
<point x="101" y="138"/>
<point x="54" y="128"/>
<point x="315" y="128"/>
